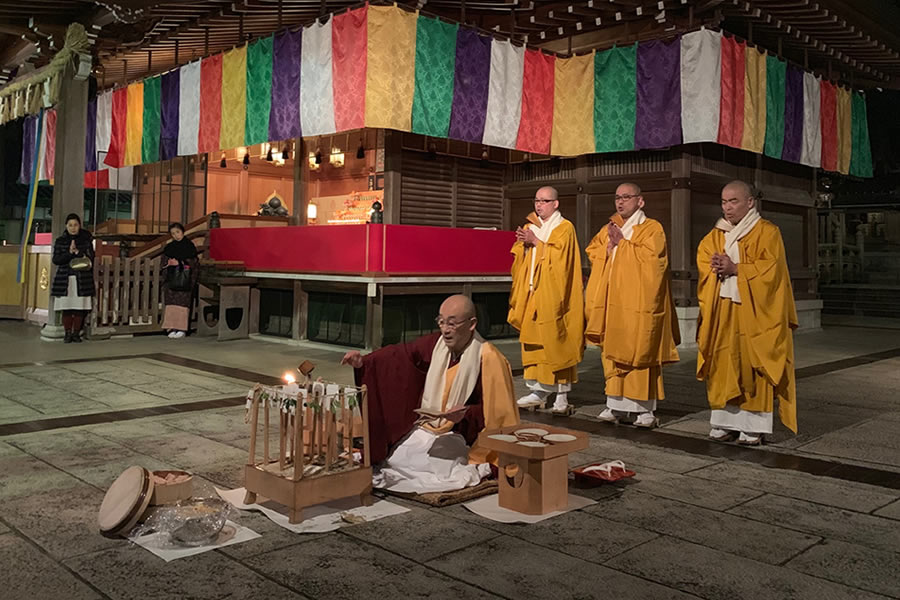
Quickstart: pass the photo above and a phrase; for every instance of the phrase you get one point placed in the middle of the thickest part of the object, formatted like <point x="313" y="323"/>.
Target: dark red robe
<point x="395" y="379"/>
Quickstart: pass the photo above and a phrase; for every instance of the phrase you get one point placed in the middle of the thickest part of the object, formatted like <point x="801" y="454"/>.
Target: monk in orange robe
<point x="546" y="303"/>
<point x="629" y="310"/>
<point x="463" y="384"/>
<point x="747" y="316"/>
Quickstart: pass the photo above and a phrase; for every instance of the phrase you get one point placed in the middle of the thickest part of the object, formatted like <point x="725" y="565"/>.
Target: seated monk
<point x="454" y="371"/>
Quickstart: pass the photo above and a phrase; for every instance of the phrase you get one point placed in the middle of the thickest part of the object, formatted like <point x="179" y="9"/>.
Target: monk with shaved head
<point x="430" y="398"/>
<point x="629" y="310"/>
<point x="546" y="302"/>
<point x="747" y="315"/>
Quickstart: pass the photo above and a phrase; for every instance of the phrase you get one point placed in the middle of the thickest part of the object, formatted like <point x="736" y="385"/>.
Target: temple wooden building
<point x="448" y="115"/>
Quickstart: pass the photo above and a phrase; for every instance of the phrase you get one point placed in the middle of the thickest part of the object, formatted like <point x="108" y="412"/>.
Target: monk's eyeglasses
<point x="452" y="325"/>
<point x="543" y="201"/>
<point x="627" y="196"/>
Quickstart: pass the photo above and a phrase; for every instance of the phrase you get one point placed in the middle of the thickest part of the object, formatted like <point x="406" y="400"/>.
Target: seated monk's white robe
<point x="433" y="458"/>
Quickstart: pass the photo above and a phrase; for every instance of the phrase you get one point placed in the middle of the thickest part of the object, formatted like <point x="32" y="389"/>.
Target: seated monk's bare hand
<point x="353" y="358"/>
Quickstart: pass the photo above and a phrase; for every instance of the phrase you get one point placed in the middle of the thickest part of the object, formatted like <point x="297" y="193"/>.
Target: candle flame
<point x="289" y="378"/>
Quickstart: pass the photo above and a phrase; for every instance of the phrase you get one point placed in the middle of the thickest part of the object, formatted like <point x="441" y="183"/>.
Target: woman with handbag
<point x="73" y="284"/>
<point x="180" y="270"/>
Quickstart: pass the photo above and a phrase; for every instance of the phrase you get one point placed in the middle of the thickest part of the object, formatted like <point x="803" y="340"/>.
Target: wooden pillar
<point x="374" y="316"/>
<point x="812" y="238"/>
<point x="68" y="186"/>
<point x="393" y="153"/>
<point x="300" y="313"/>
<point x="681" y="260"/>
<point x="301" y="183"/>
<point x="583" y="202"/>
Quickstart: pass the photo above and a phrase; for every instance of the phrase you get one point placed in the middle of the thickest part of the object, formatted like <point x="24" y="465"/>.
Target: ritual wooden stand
<point x="315" y="462"/>
<point x="533" y="480"/>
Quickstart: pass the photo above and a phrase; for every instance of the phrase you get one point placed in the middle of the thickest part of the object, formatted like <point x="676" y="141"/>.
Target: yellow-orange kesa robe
<point x="629" y="311"/>
<point x="746" y="351"/>
<point x="550" y="315"/>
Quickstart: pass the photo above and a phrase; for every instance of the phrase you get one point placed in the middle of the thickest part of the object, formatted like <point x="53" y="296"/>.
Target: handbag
<point x="178" y="279"/>
<point x="80" y="263"/>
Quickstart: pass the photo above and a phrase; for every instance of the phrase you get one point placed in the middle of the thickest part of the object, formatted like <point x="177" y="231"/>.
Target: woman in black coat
<point x="73" y="288"/>
<point x="179" y="259"/>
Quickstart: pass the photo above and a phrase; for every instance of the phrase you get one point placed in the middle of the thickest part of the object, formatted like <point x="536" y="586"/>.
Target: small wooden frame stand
<point x="533" y="481"/>
<point x="315" y="461"/>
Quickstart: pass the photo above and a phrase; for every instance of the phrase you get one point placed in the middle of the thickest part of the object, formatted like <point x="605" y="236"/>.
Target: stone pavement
<point x="713" y="522"/>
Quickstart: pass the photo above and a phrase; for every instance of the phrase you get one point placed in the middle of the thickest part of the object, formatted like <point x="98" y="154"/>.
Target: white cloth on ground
<point x="72" y="301"/>
<point x="429" y="462"/>
<point x="737" y="419"/>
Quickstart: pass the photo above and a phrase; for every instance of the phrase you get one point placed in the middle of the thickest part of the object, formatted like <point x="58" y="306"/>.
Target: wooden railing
<point x="128" y="295"/>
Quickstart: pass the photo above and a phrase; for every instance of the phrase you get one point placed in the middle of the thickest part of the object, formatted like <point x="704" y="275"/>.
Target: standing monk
<point x="744" y="334"/>
<point x="629" y="309"/>
<point x="546" y="303"/>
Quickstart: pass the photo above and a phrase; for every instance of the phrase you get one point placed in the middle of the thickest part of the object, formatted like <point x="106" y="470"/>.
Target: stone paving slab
<point x="63" y="522"/>
<point x="517" y="569"/>
<point x="136" y="574"/>
<point x="710" y="528"/>
<point x="715" y="575"/>
<point x="635" y="454"/>
<point x="24" y="476"/>
<point x="853" y="565"/>
<point x="700" y="492"/>
<point x="15" y="412"/>
<point x="188" y="451"/>
<point x="338" y="567"/>
<point x="420" y="534"/>
<point x="867" y="530"/>
<point x="822" y="490"/>
<point x="891" y="511"/>
<point x="29" y="573"/>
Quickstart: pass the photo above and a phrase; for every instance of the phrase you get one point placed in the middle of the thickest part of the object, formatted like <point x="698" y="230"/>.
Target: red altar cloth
<point x="366" y="249"/>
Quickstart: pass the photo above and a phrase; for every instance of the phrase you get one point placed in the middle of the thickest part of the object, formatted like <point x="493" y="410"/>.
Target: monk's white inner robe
<point x="429" y="462"/>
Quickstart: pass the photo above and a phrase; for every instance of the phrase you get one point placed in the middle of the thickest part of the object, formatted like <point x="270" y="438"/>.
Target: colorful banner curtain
<point x="435" y="64"/>
<point x="259" y="91"/>
<point x="348" y="60"/>
<point x="168" y="127"/>
<point x="90" y="137"/>
<point x="48" y="146"/>
<point x="390" y="73"/>
<point x="33" y="168"/>
<point x="536" y="123"/>
<point x="284" y="118"/>
<point x="845" y="130"/>
<point x="811" y="150"/>
<point x="316" y="83"/>
<point x="210" y="104"/>
<point x="775" y="76"/>
<point x="753" y="137"/>
<point x="829" y="126"/>
<point x="861" y="150"/>
<point x="134" y="123"/>
<point x="234" y="98"/>
<point x="793" y="114"/>
<point x="731" y="111"/>
<point x="658" y="122"/>
<point x="504" y="109"/>
<point x="470" y="86"/>
<point x="615" y="99"/>
<point x="701" y="86"/>
<point x="151" y="120"/>
<point x="573" y="106"/>
<point x="385" y="67"/>
<point x="189" y="109"/>
<point x="115" y="157"/>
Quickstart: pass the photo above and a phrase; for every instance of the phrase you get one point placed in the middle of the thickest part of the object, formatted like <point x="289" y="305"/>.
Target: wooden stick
<point x="298" y="439"/>
<point x="282" y="434"/>
<point x="254" y="414"/>
<point x="364" y="408"/>
<point x="347" y="414"/>
<point x="266" y="434"/>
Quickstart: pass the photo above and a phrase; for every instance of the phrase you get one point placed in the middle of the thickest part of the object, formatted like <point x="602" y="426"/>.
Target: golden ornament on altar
<point x="44" y="281"/>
